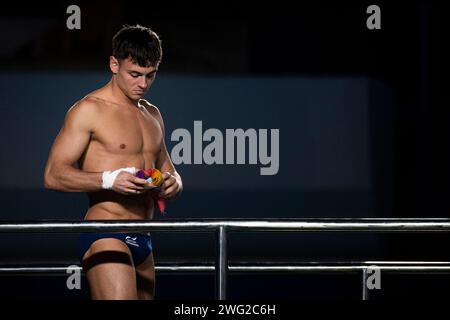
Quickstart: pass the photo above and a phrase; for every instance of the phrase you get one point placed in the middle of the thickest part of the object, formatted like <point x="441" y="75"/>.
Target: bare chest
<point x="128" y="133"/>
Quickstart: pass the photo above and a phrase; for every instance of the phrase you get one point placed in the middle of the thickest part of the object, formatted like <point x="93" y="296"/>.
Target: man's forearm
<point x="180" y="184"/>
<point x="69" y="179"/>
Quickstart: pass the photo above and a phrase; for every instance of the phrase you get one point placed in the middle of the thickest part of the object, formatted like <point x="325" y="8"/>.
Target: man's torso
<point x="124" y="136"/>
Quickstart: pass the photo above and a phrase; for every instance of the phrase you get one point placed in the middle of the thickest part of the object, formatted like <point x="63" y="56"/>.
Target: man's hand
<point x="171" y="186"/>
<point x="128" y="184"/>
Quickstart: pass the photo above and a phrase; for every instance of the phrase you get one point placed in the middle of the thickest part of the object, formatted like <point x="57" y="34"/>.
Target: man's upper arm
<point x="74" y="135"/>
<point x="163" y="162"/>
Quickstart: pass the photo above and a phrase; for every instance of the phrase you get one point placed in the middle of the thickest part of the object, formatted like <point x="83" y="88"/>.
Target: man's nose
<point x="142" y="82"/>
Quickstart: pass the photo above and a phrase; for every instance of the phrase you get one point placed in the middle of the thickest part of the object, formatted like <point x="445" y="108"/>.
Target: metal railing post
<point x="221" y="264"/>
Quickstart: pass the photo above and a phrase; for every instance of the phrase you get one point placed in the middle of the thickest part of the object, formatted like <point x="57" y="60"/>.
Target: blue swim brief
<point x="139" y="244"/>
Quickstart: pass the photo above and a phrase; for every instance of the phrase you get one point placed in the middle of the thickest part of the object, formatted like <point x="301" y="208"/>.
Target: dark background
<point x="392" y="160"/>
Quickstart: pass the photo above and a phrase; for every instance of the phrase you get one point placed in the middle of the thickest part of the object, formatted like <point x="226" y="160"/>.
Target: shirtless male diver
<point x="106" y="137"/>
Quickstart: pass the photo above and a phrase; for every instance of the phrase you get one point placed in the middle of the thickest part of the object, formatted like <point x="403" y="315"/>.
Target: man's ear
<point x="113" y="64"/>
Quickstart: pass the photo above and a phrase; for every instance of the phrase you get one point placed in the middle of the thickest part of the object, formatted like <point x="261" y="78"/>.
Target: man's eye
<point x="134" y="75"/>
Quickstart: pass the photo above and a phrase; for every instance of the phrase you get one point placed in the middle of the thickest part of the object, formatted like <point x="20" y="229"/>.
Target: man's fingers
<point x="167" y="192"/>
<point x="169" y="179"/>
<point x="133" y="191"/>
<point x="168" y="183"/>
<point x="132" y="178"/>
<point x="139" y="181"/>
<point x="131" y="185"/>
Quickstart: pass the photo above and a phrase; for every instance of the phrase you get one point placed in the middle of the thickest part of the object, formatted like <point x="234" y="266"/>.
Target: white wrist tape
<point x="108" y="177"/>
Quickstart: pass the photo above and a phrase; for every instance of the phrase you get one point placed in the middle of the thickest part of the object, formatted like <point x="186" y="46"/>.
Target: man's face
<point x="133" y="79"/>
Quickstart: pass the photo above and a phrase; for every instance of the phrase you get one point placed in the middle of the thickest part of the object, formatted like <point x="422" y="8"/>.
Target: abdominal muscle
<point x="111" y="205"/>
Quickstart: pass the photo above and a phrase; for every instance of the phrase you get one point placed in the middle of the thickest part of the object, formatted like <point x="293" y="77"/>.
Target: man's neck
<point x="118" y="96"/>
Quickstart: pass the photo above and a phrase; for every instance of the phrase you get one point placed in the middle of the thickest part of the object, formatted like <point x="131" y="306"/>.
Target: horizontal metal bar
<point x="362" y="225"/>
<point x="429" y="267"/>
<point x="317" y="269"/>
<point x="35" y="269"/>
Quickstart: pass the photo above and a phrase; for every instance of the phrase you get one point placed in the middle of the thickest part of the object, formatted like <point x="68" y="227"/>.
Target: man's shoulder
<point x="153" y="110"/>
<point x="84" y="108"/>
<point x="86" y="104"/>
<point x="91" y="102"/>
<point x="150" y="107"/>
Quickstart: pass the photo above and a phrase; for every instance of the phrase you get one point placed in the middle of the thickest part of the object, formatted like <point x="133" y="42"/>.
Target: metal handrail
<point x="222" y="227"/>
<point x="430" y="267"/>
<point x="202" y="225"/>
<point x="345" y="267"/>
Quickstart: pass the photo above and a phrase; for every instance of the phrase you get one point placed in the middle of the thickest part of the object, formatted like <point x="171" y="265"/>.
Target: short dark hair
<point x="142" y="45"/>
